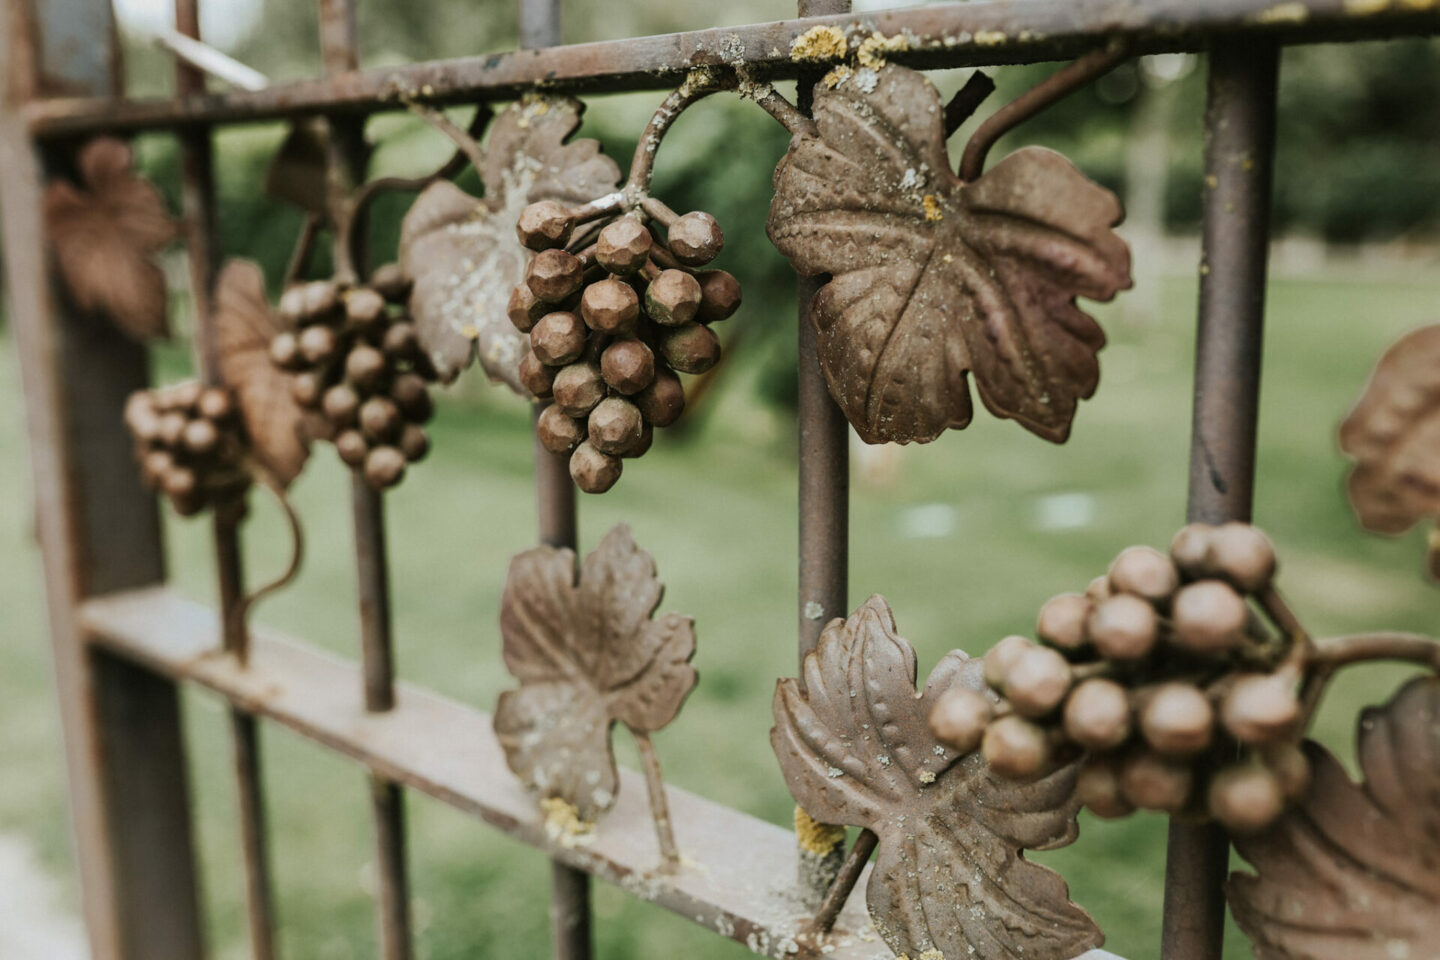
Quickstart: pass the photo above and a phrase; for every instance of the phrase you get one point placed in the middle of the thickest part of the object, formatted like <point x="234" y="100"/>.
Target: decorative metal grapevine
<point x="1393" y="435"/>
<point x="588" y="654"/>
<point x="105" y="234"/>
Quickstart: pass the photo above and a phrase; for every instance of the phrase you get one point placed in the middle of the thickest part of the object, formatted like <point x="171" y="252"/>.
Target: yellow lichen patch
<point x="874" y="48"/>
<point x="927" y="776"/>
<point x="931" y="954"/>
<point x="819" y="43"/>
<point x="1284" y="13"/>
<point x="990" y="38"/>
<point x="563" y="824"/>
<point x="836" y="77"/>
<point x="932" y="210"/>
<point x="531" y="106"/>
<point x="1363" y="8"/>
<point x="816" y="837"/>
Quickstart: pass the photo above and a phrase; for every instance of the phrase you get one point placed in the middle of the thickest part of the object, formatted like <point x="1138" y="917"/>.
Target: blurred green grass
<point x="966" y="540"/>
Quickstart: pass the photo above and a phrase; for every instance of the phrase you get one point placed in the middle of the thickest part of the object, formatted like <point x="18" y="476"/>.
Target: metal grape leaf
<point x="1393" y="435"/>
<point x="933" y="277"/>
<point x="244" y="327"/>
<point x="856" y="749"/>
<point x="1352" y="872"/>
<point x="587" y="654"/>
<point x="299" y="173"/>
<point x="105" y="235"/>
<point x="462" y="253"/>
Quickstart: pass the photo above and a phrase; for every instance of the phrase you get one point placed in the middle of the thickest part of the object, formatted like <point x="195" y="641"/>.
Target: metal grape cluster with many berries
<point x="189" y="445"/>
<point x="1156" y="675"/>
<point x="614" y="314"/>
<point x="357" y="363"/>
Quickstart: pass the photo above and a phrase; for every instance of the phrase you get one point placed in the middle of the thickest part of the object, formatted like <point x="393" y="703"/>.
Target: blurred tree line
<point x="1358" y="157"/>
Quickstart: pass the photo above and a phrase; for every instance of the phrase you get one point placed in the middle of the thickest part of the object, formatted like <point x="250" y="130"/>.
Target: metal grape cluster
<point x="614" y="314"/>
<point x="188" y="441"/>
<point x="1164" y="676"/>
<point x="357" y="363"/>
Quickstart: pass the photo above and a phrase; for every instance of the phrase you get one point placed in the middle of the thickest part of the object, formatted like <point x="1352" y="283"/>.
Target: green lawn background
<point x="718" y="512"/>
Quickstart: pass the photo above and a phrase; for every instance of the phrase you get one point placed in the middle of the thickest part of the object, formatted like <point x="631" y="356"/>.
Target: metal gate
<point x="124" y="643"/>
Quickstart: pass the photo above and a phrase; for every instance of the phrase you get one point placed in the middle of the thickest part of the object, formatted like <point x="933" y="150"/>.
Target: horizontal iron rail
<point x="737" y="877"/>
<point x="944" y="35"/>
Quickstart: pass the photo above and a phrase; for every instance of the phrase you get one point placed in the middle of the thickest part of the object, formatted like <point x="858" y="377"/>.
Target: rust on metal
<point x="855" y="747"/>
<point x="462" y="254"/>
<point x="738" y="881"/>
<point x="972" y="277"/>
<point x="105" y="234"/>
<point x="941" y="35"/>
<point x="1393" y="435"/>
<point x="588" y="655"/>
<point x="245" y="326"/>
<point x="1350" y="873"/>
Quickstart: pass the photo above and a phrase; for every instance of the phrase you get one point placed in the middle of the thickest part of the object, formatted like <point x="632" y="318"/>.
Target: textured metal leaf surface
<point x="1393" y="435"/>
<point x="587" y="653"/>
<point x="949" y="880"/>
<point x="105" y="235"/>
<point x="244" y="326"/>
<point x="1353" y="871"/>
<point x="462" y="253"/>
<point x="935" y="278"/>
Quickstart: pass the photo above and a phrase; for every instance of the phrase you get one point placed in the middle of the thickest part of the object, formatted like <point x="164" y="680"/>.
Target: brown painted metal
<point x="737" y="876"/>
<point x="942" y="35"/>
<point x="589" y="653"/>
<point x="124" y="750"/>
<point x="1240" y="134"/>
<point x="197" y="182"/>
<point x="856" y="748"/>
<point x="1350" y="873"/>
<point x="897" y="338"/>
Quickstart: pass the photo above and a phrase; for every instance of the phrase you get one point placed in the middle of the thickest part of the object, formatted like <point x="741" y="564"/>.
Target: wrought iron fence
<point x="124" y="643"/>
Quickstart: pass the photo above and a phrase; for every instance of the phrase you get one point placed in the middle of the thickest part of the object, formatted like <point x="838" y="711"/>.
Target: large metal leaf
<point x="105" y="235"/>
<point x="1393" y="434"/>
<point x="856" y="749"/>
<point x="462" y="253"/>
<point x="587" y="654"/>
<point x="244" y="327"/>
<point x="1353" y="872"/>
<point x="934" y="278"/>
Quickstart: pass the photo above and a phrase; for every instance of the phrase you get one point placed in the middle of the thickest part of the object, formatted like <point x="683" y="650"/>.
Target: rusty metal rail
<point x="944" y="35"/>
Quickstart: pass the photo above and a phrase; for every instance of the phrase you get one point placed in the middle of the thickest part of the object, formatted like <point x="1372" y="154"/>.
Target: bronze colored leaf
<point x="244" y="327"/>
<point x="299" y="173"/>
<point x="950" y="879"/>
<point x="462" y="253"/>
<point x="587" y="654"/>
<point x="105" y="235"/>
<point x="1353" y="871"/>
<point x="1393" y="435"/>
<point x="934" y="278"/>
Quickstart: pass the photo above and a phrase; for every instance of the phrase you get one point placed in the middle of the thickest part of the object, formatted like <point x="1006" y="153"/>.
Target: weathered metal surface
<point x="1239" y="139"/>
<point x="952" y="34"/>
<point x="462" y="253"/>
<point x="736" y="878"/>
<point x="105" y="234"/>
<point x="1393" y="435"/>
<point x="977" y="277"/>
<point x="588" y="654"/>
<point x="1351" y="874"/>
<point x="244" y="326"/>
<point x="122" y="740"/>
<point x="855" y="747"/>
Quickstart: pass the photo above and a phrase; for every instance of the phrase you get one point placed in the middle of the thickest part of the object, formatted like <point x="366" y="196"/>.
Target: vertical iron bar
<point x="824" y="451"/>
<point x="203" y="248"/>
<point x="824" y="508"/>
<point x="571" y="934"/>
<point x="1240" y="137"/>
<point x="124" y="746"/>
<point x="340" y="52"/>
